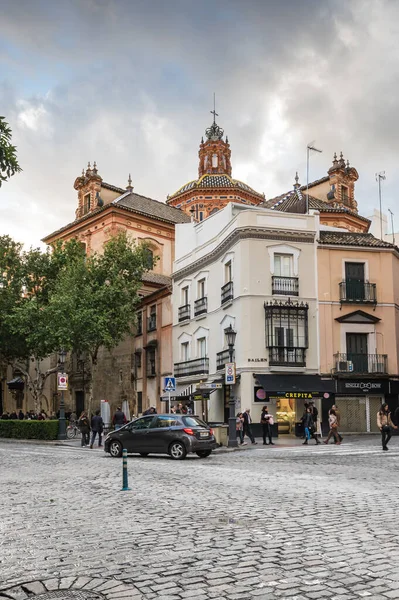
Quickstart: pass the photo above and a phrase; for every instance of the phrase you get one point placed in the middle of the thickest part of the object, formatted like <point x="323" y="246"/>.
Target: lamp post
<point x="231" y="338"/>
<point x="61" y="420"/>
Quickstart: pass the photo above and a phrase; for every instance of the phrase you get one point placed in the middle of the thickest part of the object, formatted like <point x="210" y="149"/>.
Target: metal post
<point x="169" y="402"/>
<point x="61" y="420"/>
<point x="125" y="485"/>
<point x="232" y="443"/>
<point x="379" y="177"/>
<point x="393" y="231"/>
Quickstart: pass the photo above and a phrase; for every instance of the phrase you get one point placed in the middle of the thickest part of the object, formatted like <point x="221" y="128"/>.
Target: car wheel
<point x="177" y="451"/>
<point x="144" y="454"/>
<point x="204" y="453"/>
<point x="115" y="449"/>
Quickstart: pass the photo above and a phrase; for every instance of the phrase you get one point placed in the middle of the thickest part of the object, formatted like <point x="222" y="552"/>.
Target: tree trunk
<point x="36" y="383"/>
<point x="91" y="383"/>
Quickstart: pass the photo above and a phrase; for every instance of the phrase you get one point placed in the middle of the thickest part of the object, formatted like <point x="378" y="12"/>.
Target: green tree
<point x="8" y="153"/>
<point x="28" y="280"/>
<point x="95" y="300"/>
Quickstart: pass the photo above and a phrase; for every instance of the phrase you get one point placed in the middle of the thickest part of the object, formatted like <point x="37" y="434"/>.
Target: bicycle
<point x="72" y="431"/>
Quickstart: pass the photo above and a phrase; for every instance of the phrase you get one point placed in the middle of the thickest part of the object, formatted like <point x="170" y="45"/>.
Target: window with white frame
<point x="185" y="351"/>
<point x="201" y="347"/>
<point x="184" y="296"/>
<point x="228" y="272"/>
<point x="201" y="288"/>
<point x="283" y="265"/>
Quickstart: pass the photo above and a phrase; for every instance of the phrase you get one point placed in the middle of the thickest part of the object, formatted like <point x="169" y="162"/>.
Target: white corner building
<point x="255" y="270"/>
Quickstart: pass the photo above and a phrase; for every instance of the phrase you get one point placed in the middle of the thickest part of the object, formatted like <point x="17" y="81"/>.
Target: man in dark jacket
<point x="97" y="428"/>
<point x="247" y="429"/>
<point x="119" y="419"/>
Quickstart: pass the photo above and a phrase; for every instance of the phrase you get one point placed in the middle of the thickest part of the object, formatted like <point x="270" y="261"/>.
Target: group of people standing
<point x="95" y="426"/>
<point x="244" y="426"/>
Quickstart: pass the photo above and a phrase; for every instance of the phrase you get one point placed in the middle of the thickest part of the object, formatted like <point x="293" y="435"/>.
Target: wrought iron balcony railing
<point x="287" y="357"/>
<point x="200" y="306"/>
<point x="359" y="292"/>
<point x="227" y="292"/>
<point x="198" y="366"/>
<point x="184" y="312"/>
<point x="222" y="358"/>
<point x="285" y="286"/>
<point x="360" y="363"/>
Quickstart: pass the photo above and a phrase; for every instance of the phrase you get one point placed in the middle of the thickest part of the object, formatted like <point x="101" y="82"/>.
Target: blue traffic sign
<point x="170" y="384"/>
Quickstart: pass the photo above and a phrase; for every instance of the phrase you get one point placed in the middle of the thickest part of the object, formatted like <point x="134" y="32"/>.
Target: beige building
<point x="134" y="371"/>
<point x="358" y="283"/>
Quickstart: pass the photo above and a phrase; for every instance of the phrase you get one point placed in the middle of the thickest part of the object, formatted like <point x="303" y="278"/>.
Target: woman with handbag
<point x="333" y="422"/>
<point x="384" y="424"/>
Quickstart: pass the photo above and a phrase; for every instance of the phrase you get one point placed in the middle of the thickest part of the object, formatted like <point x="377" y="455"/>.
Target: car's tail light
<point x="189" y="431"/>
<point x="211" y="431"/>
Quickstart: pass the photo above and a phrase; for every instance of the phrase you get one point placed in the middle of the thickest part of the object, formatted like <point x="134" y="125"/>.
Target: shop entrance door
<point x="79" y="402"/>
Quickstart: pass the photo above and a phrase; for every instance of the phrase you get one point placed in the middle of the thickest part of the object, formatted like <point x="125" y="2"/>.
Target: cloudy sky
<point x="129" y="83"/>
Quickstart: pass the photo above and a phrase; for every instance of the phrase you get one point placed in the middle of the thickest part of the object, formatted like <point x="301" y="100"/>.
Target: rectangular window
<point x="184" y="351"/>
<point x="201" y="289"/>
<point x="151" y="370"/>
<point x="202" y="347"/>
<point x="139" y="402"/>
<point x="184" y="296"/>
<point x="201" y="216"/>
<point x="152" y="321"/>
<point x="228" y="272"/>
<point x="354" y="281"/>
<point x="139" y="326"/>
<point x="345" y="195"/>
<point x="283" y="265"/>
<point x="137" y="358"/>
<point x="86" y="203"/>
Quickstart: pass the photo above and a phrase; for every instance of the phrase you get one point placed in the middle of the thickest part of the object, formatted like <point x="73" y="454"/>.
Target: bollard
<point x="125" y="484"/>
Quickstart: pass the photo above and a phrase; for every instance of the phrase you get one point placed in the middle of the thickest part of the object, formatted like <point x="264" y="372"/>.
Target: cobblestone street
<point x="284" y="522"/>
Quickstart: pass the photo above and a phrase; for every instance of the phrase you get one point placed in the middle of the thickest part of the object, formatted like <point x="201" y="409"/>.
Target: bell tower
<point x="214" y="154"/>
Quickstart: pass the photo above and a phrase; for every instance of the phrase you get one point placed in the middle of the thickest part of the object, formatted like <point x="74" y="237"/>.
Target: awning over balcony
<point x="16" y="384"/>
<point x="296" y="383"/>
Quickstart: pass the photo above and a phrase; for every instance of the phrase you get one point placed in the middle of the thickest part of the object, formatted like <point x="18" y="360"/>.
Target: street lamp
<point x="231" y="338"/>
<point x="61" y="421"/>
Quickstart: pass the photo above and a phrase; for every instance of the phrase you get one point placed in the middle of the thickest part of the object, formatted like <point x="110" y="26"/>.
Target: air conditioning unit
<point x="344" y="366"/>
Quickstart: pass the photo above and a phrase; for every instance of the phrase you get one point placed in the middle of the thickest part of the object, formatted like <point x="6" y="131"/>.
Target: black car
<point x="175" y="435"/>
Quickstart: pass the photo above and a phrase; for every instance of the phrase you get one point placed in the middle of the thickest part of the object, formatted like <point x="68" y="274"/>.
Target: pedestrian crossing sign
<point x="170" y="384"/>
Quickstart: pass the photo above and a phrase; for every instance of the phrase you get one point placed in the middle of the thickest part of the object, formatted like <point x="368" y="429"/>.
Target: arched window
<point x="214" y="161"/>
<point x="148" y="258"/>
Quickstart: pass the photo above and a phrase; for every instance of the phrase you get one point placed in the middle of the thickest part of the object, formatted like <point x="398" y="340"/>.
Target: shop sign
<point x="363" y="386"/>
<point x="257" y="359"/>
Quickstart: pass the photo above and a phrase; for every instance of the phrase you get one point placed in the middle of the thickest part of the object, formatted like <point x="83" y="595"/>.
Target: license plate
<point x="204" y="434"/>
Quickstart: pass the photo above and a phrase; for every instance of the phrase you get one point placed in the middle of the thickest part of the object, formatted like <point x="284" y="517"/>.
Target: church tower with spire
<point x="215" y="186"/>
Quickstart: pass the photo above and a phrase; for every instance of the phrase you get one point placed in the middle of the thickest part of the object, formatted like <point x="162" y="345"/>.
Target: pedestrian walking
<point x="21" y="415"/>
<point x="308" y="426"/>
<point x="97" y="428"/>
<point x="119" y="419"/>
<point x="385" y="425"/>
<point x="84" y="428"/>
<point x="266" y="422"/>
<point x="333" y="423"/>
<point x="240" y="427"/>
<point x="247" y="429"/>
<point x="315" y="416"/>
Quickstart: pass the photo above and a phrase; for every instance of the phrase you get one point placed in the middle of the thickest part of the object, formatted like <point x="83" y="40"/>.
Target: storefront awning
<point x="182" y="391"/>
<point x="295" y="383"/>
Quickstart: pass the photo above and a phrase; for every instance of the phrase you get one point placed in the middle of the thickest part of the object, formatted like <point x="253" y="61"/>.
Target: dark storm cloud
<point x="130" y="84"/>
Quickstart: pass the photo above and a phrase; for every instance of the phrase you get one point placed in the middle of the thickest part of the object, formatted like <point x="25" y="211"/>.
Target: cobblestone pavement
<point x="283" y="522"/>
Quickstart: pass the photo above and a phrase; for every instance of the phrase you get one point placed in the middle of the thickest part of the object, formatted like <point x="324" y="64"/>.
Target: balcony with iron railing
<point x="184" y="312"/>
<point x="198" y="366"/>
<point x="285" y="286"/>
<point x="200" y="306"/>
<point x="287" y="357"/>
<point x="222" y="358"/>
<point x="227" y="292"/>
<point x="360" y="363"/>
<point x="358" y="292"/>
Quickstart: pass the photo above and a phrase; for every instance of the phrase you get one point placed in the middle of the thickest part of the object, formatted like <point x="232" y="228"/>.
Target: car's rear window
<point x="194" y="422"/>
